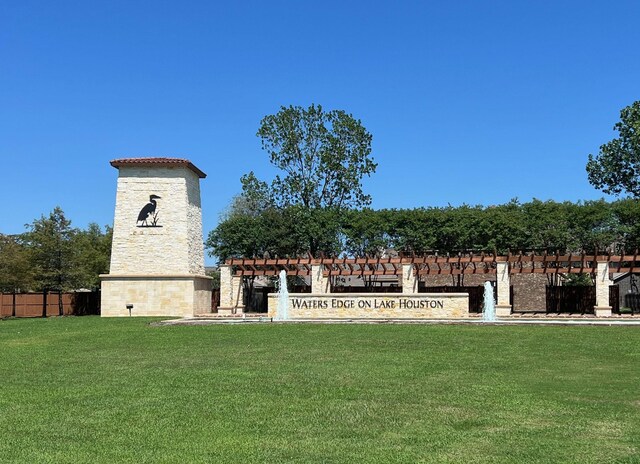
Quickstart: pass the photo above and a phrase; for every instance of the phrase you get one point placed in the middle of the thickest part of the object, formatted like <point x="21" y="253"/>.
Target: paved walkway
<point x="590" y="319"/>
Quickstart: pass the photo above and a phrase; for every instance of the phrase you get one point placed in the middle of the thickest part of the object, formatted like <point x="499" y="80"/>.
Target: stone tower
<point x="157" y="254"/>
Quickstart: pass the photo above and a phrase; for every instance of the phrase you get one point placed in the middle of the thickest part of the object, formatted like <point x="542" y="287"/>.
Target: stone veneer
<point x="158" y="270"/>
<point x="231" y="292"/>
<point x="180" y="296"/>
<point x="374" y="305"/>
<point x="175" y="247"/>
<point x="602" y="281"/>
<point x="529" y="292"/>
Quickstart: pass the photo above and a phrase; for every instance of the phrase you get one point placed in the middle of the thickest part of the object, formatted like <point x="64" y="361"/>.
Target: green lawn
<point x="120" y="390"/>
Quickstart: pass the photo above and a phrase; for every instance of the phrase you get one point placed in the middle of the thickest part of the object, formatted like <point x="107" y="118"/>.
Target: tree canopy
<point x="514" y="226"/>
<point x="323" y="156"/>
<point x="288" y="231"/>
<point x="616" y="169"/>
<point x="54" y="256"/>
<point x="16" y="270"/>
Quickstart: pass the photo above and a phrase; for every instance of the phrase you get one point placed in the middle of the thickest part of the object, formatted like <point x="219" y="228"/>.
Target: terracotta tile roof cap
<point x="117" y="163"/>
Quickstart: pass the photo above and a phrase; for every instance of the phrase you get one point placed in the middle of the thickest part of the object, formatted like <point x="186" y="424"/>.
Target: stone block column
<point x="157" y="252"/>
<point x="231" y="292"/>
<point x="319" y="282"/>
<point x="237" y="284"/>
<point x="409" y="279"/>
<point x="503" y="283"/>
<point x="602" y="308"/>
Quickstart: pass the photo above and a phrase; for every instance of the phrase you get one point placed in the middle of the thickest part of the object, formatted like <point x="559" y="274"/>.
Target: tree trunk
<point x="60" y="305"/>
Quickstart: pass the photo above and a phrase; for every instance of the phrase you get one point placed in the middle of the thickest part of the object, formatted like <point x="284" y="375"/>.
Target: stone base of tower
<point x="153" y="295"/>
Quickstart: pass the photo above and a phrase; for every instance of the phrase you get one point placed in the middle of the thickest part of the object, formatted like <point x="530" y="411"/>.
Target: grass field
<point x="120" y="390"/>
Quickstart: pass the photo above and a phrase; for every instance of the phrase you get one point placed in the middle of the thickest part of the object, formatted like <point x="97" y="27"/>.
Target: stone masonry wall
<point x="158" y="297"/>
<point x="529" y="290"/>
<point x="194" y="225"/>
<point x="371" y="305"/>
<point x="202" y="296"/>
<point x="173" y="248"/>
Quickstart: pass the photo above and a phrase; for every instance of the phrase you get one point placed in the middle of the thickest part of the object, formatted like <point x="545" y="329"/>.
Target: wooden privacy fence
<point x="73" y="304"/>
<point x="632" y="301"/>
<point x="37" y="304"/>
<point x="257" y="299"/>
<point x="578" y="299"/>
<point x="215" y="299"/>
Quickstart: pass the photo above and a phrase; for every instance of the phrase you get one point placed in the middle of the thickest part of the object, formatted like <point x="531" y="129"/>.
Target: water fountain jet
<point x="489" y="310"/>
<point x="283" y="298"/>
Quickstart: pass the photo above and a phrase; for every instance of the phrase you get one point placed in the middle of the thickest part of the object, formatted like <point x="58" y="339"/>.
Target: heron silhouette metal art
<point x="148" y="213"/>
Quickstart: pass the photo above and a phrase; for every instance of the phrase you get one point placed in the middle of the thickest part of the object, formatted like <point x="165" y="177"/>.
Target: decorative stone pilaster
<point x="226" y="287"/>
<point x="231" y="291"/>
<point x="319" y="282"/>
<point x="602" y="308"/>
<point x="503" y="283"/>
<point x="238" y="294"/>
<point x="409" y="279"/>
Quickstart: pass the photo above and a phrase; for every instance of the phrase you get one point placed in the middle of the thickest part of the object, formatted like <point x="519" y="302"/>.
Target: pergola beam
<point x="436" y="265"/>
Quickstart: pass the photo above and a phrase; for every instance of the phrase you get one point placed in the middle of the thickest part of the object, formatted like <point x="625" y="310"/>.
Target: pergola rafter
<point x="545" y="263"/>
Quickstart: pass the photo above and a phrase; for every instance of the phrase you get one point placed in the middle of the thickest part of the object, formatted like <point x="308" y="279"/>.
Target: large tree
<point x="323" y="157"/>
<point x="323" y="154"/>
<point x="616" y="169"/>
<point x="50" y="240"/>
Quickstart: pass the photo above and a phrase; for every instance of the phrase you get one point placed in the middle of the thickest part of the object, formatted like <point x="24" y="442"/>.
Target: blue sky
<point x="468" y="102"/>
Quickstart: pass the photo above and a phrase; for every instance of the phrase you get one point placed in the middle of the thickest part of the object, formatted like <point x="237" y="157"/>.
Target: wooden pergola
<point x="469" y="263"/>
